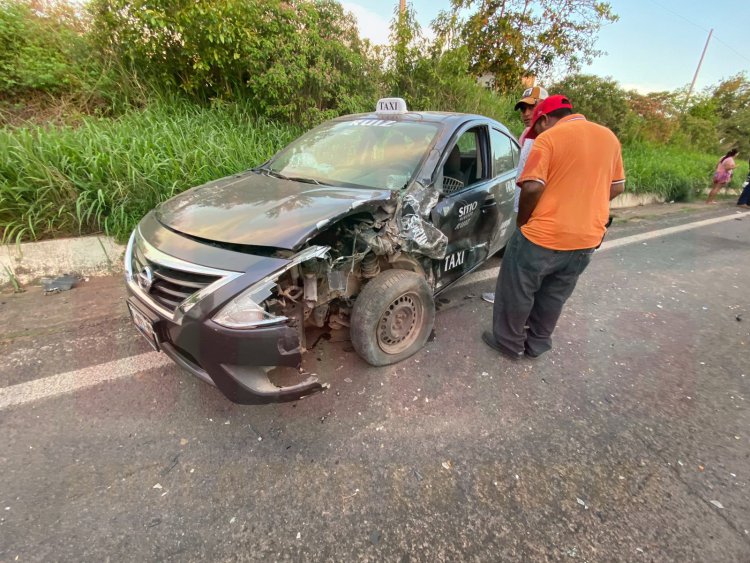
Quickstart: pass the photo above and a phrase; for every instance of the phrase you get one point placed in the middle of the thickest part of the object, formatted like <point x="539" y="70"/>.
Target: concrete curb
<point x="634" y="200"/>
<point x="84" y="256"/>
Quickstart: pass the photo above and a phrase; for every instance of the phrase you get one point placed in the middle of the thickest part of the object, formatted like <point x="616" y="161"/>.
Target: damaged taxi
<point x="355" y="225"/>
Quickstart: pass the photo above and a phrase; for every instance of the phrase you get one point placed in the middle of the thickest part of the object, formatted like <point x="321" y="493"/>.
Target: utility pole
<point x="697" y="70"/>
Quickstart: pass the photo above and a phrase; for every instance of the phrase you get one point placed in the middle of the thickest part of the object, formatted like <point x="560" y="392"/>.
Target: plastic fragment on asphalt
<point x="56" y="285"/>
<point x="582" y="503"/>
<point x="717" y="504"/>
<point x="157" y="486"/>
<point x="446" y="465"/>
<point x="299" y="535"/>
<point x="232" y="519"/>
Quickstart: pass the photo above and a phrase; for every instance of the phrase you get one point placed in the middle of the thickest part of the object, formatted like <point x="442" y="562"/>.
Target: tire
<point x="392" y="317"/>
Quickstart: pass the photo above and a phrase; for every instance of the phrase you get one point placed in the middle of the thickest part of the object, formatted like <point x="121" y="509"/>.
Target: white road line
<point x="46" y="387"/>
<point x="23" y="393"/>
<point x="491" y="274"/>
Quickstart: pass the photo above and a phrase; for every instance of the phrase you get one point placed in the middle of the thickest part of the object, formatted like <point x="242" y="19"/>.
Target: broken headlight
<point x="246" y="310"/>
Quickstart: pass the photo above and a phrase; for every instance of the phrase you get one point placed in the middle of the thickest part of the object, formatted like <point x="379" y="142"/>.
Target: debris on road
<point x="447" y="465"/>
<point x="582" y="503"/>
<point x="157" y="486"/>
<point x="717" y="504"/>
<point x="56" y="285"/>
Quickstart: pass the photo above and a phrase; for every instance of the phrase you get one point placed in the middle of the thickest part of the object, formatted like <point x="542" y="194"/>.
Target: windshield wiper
<point x="271" y="172"/>
<point x="304" y="180"/>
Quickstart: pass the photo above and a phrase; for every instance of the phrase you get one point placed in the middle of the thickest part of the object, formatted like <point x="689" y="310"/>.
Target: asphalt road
<point x="629" y="441"/>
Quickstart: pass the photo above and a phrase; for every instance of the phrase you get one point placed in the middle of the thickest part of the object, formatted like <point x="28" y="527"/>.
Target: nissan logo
<point x="145" y="278"/>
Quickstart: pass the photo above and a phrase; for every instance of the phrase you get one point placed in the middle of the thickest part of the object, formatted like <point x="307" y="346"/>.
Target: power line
<point x="728" y="46"/>
<point x="716" y="37"/>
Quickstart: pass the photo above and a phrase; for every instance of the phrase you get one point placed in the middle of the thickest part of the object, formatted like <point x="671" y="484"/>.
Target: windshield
<point x="372" y="153"/>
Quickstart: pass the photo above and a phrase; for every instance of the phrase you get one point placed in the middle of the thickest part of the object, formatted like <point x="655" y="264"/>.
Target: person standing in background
<point x="723" y="174"/>
<point x="744" y="200"/>
<point x="529" y="100"/>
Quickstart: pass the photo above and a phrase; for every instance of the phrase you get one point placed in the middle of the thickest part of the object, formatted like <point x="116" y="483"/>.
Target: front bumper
<point x="235" y="361"/>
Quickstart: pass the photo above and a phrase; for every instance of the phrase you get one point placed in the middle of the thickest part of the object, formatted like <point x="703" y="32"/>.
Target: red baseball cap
<point x="548" y="105"/>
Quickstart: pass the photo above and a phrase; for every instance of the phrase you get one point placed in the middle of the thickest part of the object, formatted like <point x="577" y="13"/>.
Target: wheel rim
<point x="399" y="324"/>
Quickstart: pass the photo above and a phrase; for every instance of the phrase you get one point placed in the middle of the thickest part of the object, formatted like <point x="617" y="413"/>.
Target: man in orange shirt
<point x="573" y="171"/>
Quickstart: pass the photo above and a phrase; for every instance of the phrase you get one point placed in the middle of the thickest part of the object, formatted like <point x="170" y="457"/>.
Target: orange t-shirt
<point x="577" y="161"/>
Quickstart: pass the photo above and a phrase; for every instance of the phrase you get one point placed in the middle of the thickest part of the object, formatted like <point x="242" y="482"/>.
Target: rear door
<point x="505" y="155"/>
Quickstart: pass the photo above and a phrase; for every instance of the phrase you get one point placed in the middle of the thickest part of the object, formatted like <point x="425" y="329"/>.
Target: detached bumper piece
<point x="233" y="360"/>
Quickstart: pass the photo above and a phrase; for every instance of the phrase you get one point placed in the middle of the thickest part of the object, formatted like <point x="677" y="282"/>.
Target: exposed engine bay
<point x="320" y="291"/>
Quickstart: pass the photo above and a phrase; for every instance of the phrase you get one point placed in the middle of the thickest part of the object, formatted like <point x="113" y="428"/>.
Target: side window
<point x="504" y="153"/>
<point x="464" y="166"/>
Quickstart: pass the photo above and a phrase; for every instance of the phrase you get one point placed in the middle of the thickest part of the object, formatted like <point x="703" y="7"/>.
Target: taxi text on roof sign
<point x="391" y="105"/>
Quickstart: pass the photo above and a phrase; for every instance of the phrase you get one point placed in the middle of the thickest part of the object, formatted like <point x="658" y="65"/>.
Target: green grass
<point x="105" y="174"/>
<point x="677" y="174"/>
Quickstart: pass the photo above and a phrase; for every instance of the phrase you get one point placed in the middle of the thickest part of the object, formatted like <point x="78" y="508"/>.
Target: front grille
<point x="170" y="286"/>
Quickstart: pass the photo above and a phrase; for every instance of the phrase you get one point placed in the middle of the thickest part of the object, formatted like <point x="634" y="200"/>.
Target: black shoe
<point x="529" y="354"/>
<point x="490" y="341"/>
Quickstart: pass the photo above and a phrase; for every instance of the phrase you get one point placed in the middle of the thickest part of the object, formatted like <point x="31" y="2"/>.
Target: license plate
<point x="144" y="326"/>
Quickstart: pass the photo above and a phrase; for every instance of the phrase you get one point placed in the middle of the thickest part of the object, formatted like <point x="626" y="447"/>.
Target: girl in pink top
<point x="723" y="174"/>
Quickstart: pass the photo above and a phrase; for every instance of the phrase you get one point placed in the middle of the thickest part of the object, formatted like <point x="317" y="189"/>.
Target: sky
<point x="655" y="45"/>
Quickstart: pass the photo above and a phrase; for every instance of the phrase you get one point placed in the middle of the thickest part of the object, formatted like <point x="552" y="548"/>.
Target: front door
<point x="466" y="212"/>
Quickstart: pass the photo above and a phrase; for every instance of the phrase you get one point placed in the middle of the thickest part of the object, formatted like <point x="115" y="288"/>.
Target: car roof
<point x="450" y="119"/>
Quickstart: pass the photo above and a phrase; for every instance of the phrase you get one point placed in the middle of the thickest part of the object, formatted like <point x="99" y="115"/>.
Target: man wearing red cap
<point x="573" y="171"/>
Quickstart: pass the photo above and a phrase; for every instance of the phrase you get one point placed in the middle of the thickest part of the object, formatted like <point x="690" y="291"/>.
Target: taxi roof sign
<point x="391" y="106"/>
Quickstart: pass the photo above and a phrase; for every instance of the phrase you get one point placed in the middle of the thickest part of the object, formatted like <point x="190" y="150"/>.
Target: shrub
<point x="298" y="61"/>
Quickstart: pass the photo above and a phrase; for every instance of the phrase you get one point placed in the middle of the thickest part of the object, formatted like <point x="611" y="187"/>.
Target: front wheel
<point x="392" y="317"/>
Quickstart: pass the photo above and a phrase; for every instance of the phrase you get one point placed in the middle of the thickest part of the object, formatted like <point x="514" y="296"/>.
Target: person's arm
<point x="531" y="191"/>
<point x="615" y="189"/>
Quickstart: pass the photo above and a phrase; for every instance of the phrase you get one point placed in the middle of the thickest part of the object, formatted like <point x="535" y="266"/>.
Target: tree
<point x="731" y="99"/>
<point x="600" y="100"/>
<point x="512" y="39"/>
<point x="296" y="60"/>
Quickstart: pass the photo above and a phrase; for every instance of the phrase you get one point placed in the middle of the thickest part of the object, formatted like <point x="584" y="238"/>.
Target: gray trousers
<point x="533" y="285"/>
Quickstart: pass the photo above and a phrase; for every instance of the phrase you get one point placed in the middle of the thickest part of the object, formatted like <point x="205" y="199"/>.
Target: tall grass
<point x="674" y="173"/>
<point x="104" y="174"/>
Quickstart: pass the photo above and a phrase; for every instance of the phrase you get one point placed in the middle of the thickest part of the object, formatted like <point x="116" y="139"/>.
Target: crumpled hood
<point x="259" y="210"/>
